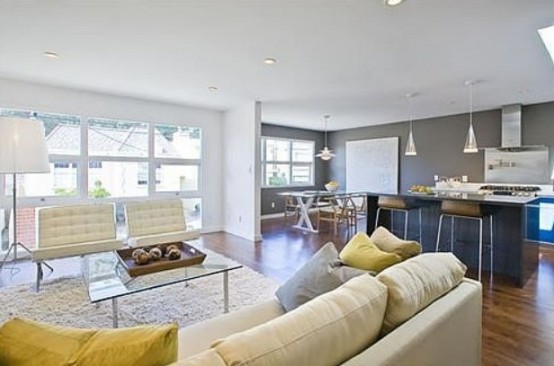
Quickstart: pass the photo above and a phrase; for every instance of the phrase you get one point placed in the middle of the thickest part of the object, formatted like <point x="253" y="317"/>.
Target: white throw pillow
<point x="328" y="330"/>
<point x="416" y="283"/>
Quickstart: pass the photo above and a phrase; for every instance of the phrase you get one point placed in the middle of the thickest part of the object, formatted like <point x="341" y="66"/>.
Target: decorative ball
<point x="172" y="247"/>
<point x="174" y="254"/>
<point x="137" y="252"/>
<point x="143" y="258"/>
<point x="155" y="254"/>
<point x="163" y="249"/>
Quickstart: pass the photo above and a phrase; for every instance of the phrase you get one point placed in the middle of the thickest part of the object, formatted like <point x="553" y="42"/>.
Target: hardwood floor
<point x="518" y="323"/>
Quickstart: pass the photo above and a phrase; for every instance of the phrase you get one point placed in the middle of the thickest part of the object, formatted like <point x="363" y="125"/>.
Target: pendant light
<point x="326" y="154"/>
<point x="410" y="145"/>
<point x="471" y="141"/>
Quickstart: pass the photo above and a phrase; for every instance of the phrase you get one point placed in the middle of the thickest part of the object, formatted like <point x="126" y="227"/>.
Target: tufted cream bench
<point x="157" y="221"/>
<point x="68" y="231"/>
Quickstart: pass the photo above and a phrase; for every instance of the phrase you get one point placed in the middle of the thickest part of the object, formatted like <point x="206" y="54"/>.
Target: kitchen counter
<point x="472" y="197"/>
<point x="515" y="256"/>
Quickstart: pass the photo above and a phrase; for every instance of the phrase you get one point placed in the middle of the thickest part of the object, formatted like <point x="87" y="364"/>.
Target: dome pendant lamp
<point x="471" y="142"/>
<point x="410" y="145"/>
<point x="326" y="154"/>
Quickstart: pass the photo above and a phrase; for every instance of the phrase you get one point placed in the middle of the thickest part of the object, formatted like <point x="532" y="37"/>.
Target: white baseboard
<point x="272" y="216"/>
<point x="210" y="229"/>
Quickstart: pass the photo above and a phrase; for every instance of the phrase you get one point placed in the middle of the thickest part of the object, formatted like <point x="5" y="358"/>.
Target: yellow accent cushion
<point x="416" y="283"/>
<point x="25" y="342"/>
<point x="327" y="330"/>
<point x="388" y="242"/>
<point x="362" y="253"/>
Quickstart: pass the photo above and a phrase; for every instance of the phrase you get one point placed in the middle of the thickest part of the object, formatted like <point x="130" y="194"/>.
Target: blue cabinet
<point x="540" y="220"/>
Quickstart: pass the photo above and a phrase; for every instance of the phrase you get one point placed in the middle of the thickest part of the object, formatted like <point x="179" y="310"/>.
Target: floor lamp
<point x="22" y="150"/>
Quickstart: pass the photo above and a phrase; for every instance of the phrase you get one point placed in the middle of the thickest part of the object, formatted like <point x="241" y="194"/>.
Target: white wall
<point x="23" y="95"/>
<point x="241" y="162"/>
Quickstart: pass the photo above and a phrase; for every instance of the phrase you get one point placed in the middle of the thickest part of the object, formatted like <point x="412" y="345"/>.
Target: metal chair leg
<point x="480" y="247"/>
<point x="452" y="234"/>
<point x="492" y="244"/>
<point x="439" y="233"/>
<point x="406" y="218"/>
<point x="377" y="217"/>
<point x="420" y="235"/>
<point x="39" y="277"/>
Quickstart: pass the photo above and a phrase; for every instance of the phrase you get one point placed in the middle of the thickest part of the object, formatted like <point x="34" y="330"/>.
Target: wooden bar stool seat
<point x="466" y="211"/>
<point x="392" y="204"/>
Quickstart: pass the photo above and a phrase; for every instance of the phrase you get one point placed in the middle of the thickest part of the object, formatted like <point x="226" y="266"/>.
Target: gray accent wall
<point x="269" y="195"/>
<point x="439" y="142"/>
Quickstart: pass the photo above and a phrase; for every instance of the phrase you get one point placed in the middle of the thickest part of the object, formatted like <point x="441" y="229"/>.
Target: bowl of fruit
<point x="419" y="189"/>
<point x="332" y="186"/>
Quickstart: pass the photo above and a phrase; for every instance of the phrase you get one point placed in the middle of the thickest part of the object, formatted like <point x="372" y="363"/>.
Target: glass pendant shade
<point x="471" y="141"/>
<point x="410" y="146"/>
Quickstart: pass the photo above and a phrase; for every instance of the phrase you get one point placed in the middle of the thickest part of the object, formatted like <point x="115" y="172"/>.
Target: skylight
<point x="547" y="36"/>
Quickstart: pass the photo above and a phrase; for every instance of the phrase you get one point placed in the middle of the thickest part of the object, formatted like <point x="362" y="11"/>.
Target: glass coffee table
<point x="106" y="279"/>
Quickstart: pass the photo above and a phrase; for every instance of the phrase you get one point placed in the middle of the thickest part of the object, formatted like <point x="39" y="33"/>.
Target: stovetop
<point x="526" y="191"/>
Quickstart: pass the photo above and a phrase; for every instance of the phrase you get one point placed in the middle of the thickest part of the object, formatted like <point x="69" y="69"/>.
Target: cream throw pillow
<point x="207" y="358"/>
<point x="328" y="330"/>
<point x="416" y="283"/>
<point x="388" y="242"/>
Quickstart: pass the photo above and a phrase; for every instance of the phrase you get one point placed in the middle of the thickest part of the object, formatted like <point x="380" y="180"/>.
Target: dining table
<point x="309" y="199"/>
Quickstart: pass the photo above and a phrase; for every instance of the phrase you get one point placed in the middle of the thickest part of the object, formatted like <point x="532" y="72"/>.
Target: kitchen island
<point x="515" y="255"/>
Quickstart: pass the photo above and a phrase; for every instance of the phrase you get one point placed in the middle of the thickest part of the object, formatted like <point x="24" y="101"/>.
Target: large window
<point x="287" y="162"/>
<point x="111" y="160"/>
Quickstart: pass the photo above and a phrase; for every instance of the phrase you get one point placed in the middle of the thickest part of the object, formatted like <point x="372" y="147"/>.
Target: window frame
<point x="83" y="159"/>
<point x="264" y="162"/>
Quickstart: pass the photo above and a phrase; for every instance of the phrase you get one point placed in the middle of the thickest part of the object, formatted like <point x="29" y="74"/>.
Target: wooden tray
<point x="189" y="257"/>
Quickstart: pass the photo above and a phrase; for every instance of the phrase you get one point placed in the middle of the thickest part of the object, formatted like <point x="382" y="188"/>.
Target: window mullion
<point x="151" y="160"/>
<point x="82" y="181"/>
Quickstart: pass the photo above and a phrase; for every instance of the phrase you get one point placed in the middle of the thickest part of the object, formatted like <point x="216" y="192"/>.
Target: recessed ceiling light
<point x="213" y="88"/>
<point x="51" y="54"/>
<point x="270" y="61"/>
<point x="547" y="36"/>
<point x="392" y="2"/>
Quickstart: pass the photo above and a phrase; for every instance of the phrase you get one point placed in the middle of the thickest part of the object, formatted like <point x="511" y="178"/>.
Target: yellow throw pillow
<point x="144" y="345"/>
<point x="388" y="242"/>
<point x="25" y="342"/>
<point x="362" y="253"/>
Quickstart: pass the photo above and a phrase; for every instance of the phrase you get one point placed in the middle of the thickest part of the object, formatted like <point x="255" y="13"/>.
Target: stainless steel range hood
<point x="511" y="131"/>
<point x="512" y="162"/>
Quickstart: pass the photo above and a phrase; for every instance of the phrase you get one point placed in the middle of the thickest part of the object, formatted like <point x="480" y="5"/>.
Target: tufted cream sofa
<point x="68" y="231"/>
<point x="157" y="221"/>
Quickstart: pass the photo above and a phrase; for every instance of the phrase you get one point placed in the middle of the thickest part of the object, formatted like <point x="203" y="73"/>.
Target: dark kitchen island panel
<point x="515" y="255"/>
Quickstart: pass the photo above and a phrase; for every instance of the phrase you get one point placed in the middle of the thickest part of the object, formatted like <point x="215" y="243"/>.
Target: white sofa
<point x="157" y="221"/>
<point x="68" y="231"/>
<point x="447" y="332"/>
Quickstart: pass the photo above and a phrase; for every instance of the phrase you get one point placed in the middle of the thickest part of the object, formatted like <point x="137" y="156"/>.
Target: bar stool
<point x="468" y="211"/>
<point x="397" y="204"/>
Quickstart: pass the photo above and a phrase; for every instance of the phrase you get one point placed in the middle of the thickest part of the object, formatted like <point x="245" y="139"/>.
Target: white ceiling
<point x="352" y="59"/>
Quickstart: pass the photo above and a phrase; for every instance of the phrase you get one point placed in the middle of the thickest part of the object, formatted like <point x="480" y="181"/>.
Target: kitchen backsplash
<point x="525" y="167"/>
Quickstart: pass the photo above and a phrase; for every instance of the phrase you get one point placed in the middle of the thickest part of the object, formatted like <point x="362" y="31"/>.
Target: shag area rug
<point x="64" y="301"/>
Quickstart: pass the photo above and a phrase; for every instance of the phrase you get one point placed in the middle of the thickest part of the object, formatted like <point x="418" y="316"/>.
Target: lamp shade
<point x="22" y="146"/>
